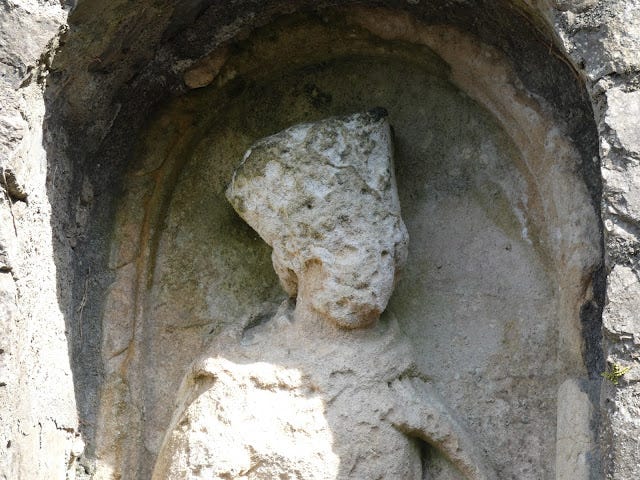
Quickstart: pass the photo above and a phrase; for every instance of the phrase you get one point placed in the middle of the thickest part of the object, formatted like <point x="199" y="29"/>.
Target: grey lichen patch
<point x="323" y="195"/>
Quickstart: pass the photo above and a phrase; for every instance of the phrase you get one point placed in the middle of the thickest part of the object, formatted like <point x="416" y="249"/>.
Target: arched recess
<point x="496" y="178"/>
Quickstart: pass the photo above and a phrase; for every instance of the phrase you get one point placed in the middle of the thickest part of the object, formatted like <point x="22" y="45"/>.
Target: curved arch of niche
<point x="504" y="237"/>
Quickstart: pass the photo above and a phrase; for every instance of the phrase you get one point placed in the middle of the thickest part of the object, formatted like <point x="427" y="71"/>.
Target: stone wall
<point x="602" y="40"/>
<point x="78" y="86"/>
<point x="40" y="436"/>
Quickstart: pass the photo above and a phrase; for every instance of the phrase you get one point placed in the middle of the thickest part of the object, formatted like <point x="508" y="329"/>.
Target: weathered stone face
<point x="324" y="196"/>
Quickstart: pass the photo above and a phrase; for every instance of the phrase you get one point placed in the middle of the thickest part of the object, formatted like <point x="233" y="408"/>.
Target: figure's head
<point x="323" y="196"/>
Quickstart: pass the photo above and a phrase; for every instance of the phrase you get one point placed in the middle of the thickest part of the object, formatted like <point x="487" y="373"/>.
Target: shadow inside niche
<point x="89" y="124"/>
<point x="99" y="99"/>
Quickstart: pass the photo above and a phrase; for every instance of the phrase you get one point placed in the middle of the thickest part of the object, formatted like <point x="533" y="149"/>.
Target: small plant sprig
<point x="615" y="373"/>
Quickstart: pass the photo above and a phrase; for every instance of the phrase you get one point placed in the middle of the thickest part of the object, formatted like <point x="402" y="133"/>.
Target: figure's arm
<point x="420" y="414"/>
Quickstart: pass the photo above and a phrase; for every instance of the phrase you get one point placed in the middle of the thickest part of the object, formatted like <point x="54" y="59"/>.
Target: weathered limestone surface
<point x="354" y="399"/>
<point x="39" y="431"/>
<point x="122" y="56"/>
<point x="603" y="39"/>
<point x="324" y="197"/>
<point x="254" y="421"/>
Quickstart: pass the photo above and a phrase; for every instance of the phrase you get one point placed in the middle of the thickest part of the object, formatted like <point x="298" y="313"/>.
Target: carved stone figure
<point x="322" y="388"/>
<point x="324" y="197"/>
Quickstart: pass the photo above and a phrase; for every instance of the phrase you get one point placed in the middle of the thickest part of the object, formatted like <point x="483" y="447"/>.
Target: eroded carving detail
<point x="354" y="397"/>
<point x="324" y="196"/>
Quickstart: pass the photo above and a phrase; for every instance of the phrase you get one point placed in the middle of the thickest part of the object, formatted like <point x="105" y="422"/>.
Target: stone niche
<point x="504" y="243"/>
